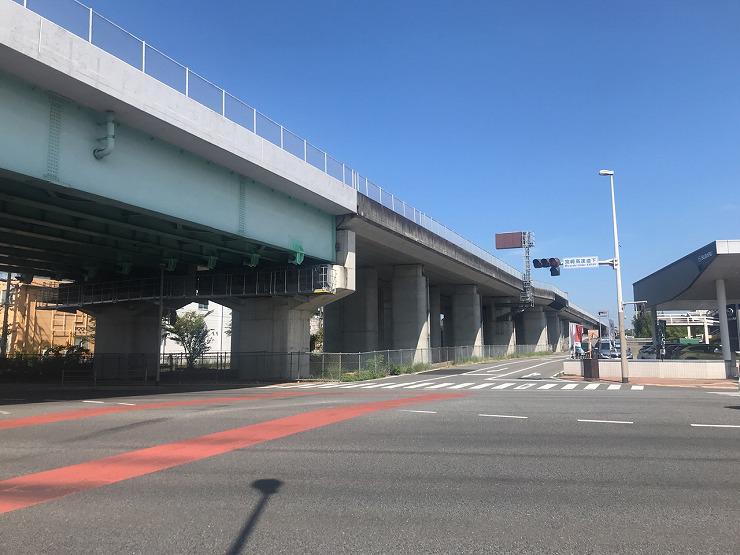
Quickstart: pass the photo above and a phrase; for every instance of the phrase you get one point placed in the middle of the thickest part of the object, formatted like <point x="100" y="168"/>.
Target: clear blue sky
<point x="496" y="115"/>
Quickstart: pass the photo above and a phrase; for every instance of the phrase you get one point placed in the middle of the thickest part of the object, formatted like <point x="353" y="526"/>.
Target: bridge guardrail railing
<point x="292" y="281"/>
<point x="100" y="31"/>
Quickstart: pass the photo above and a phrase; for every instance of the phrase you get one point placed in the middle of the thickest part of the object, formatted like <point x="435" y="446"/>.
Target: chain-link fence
<point x="141" y="368"/>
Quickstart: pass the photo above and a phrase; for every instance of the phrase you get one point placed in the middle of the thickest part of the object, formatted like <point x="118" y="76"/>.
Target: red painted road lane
<point x="63" y="416"/>
<point x="32" y="489"/>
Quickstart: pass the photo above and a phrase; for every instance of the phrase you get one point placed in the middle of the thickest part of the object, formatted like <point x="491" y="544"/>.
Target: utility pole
<point x="618" y="271"/>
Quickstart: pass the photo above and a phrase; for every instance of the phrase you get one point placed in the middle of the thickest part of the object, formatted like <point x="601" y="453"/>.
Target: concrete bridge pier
<point x="435" y="313"/>
<point x="411" y="310"/>
<point x="466" y="318"/>
<point x="270" y="338"/>
<point x="554" y="329"/>
<point x="351" y="325"/>
<point x="126" y="336"/>
<point x="533" y="327"/>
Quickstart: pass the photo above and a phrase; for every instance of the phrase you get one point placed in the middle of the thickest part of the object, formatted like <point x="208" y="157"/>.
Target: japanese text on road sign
<point x="580" y="262"/>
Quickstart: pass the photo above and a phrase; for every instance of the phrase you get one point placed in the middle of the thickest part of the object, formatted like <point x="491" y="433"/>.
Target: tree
<point x="642" y="323"/>
<point x="190" y="331"/>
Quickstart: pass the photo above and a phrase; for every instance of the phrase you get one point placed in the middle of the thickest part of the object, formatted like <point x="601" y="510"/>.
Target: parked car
<point x="647" y="352"/>
<point x="608" y="349"/>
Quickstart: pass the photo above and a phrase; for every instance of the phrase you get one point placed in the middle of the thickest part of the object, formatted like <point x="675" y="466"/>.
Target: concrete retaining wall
<point x="677" y="369"/>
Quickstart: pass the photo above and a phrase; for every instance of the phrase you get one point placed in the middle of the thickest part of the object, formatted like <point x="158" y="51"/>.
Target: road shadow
<point x="266" y="487"/>
<point x="736" y="407"/>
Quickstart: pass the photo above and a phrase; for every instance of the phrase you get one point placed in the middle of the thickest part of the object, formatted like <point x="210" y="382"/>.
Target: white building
<point x="218" y="321"/>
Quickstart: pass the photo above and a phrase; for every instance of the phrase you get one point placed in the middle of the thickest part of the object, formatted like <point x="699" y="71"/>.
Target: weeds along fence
<point x="142" y="368"/>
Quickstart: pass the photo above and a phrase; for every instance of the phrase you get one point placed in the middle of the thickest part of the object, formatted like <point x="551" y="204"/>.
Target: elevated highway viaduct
<point x="115" y="178"/>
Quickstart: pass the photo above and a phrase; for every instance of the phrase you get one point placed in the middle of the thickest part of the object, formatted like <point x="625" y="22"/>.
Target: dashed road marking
<point x="574" y="385"/>
<point x="96" y="402"/>
<point x="606" y="421"/>
<point x="715" y="426"/>
<point x="481" y="385"/>
<point x="504" y="416"/>
<point x="503" y="385"/>
<point x="525" y="386"/>
<point x="548" y="386"/>
<point x="420" y="411"/>
<point x="614" y="386"/>
<point x="638" y="387"/>
<point x="589" y="386"/>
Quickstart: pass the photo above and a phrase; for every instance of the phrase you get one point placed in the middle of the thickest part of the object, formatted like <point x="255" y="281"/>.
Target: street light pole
<point x="618" y="270"/>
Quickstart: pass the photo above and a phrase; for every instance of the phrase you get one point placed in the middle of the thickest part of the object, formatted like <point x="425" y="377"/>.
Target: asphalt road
<point x="376" y="469"/>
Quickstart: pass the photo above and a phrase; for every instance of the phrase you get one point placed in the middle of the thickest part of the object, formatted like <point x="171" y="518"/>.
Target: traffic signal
<point x="552" y="263"/>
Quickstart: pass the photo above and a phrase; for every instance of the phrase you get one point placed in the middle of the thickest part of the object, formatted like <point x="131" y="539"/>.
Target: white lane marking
<point x="606" y="421"/>
<point x="504" y="416"/>
<point x="614" y="386"/>
<point x="715" y="426"/>
<point x="373" y="385"/>
<point x="415" y="386"/>
<point x="420" y="411"/>
<point x="96" y="402"/>
<point x="481" y="385"/>
<point x="507" y="374"/>
<point x="127" y="404"/>
<point x="4" y="412"/>
<point x="589" y="386"/>
<point x="462" y="385"/>
<point x="439" y="385"/>
<point x="547" y="386"/>
<point x="306" y="385"/>
<point x="503" y="385"/>
<point x="638" y="387"/>
<point x="353" y="385"/>
<point x="328" y="385"/>
<point x="497" y="370"/>
<point x="574" y="385"/>
<point x="531" y="375"/>
<point x="537" y="365"/>
<point x="525" y="386"/>
<point x="731" y="394"/>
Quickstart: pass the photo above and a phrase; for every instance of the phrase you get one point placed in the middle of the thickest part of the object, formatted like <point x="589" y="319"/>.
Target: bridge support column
<point x="504" y="332"/>
<point x="488" y="321"/>
<point x="351" y="324"/>
<point x="466" y="321"/>
<point x="553" y="329"/>
<point x="126" y="338"/>
<point x="534" y="328"/>
<point x="270" y="338"/>
<point x="435" y="325"/>
<point x="410" y="310"/>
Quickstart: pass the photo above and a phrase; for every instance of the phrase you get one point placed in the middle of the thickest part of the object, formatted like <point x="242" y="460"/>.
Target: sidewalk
<point x="728" y="384"/>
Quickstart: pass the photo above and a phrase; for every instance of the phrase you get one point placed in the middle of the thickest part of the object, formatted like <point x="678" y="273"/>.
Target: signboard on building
<point x="577" y="262"/>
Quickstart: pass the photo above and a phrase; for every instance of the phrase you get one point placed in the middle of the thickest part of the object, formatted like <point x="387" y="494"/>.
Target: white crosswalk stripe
<point x="440" y="385"/>
<point x="485" y="385"/>
<point x="462" y="385"/>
